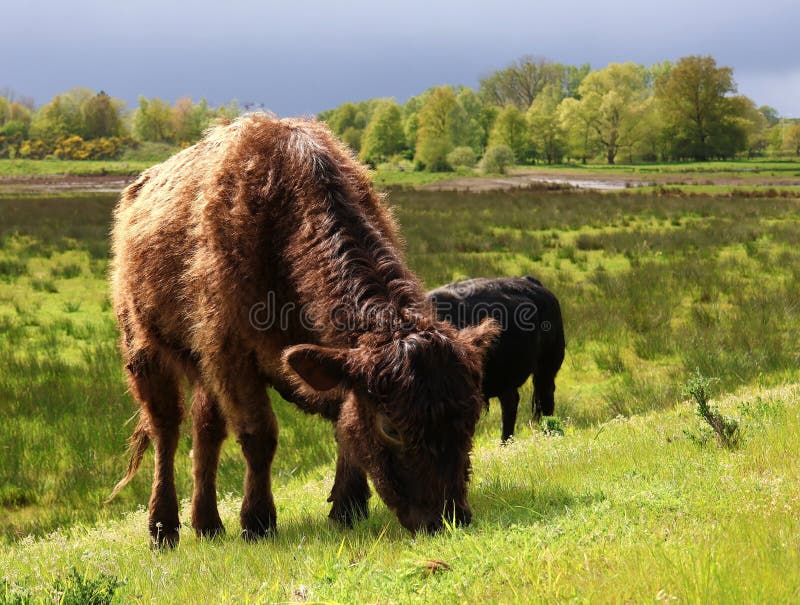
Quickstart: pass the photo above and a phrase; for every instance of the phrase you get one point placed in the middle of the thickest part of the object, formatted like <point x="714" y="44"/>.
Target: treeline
<point x="81" y="124"/>
<point x="536" y="110"/>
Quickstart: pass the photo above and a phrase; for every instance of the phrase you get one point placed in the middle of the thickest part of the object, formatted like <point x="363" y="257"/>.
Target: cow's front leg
<point x="350" y="493"/>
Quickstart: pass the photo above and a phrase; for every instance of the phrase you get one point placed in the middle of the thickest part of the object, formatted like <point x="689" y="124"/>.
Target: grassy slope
<point x="631" y="511"/>
<point x="707" y="170"/>
<point x="651" y="287"/>
<point x="37" y="168"/>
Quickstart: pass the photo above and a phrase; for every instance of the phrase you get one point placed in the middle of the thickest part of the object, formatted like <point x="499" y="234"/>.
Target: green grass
<point x="766" y="167"/>
<point x="631" y="504"/>
<point x="19" y="167"/>
<point x="698" y="174"/>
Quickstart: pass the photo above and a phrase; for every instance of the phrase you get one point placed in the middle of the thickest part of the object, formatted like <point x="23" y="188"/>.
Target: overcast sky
<point x="303" y="56"/>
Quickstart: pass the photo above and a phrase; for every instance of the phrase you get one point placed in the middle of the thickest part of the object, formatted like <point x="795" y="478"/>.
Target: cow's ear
<point x="481" y="336"/>
<point x="314" y="369"/>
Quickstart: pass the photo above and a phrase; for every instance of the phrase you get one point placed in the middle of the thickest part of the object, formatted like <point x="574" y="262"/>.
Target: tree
<point x="791" y="138"/>
<point x="547" y="135"/>
<point x="190" y="120"/>
<point x="468" y="121"/>
<point x="511" y="129"/>
<point x="384" y="136"/>
<point x="694" y="101"/>
<point x="153" y="121"/>
<point x="13" y="111"/>
<point x="62" y="116"/>
<point x="576" y="121"/>
<point x="522" y="81"/>
<point x="100" y="115"/>
<point x="750" y="124"/>
<point x="612" y="103"/>
<point x="434" y="140"/>
<point x="770" y="114"/>
<point x="574" y="76"/>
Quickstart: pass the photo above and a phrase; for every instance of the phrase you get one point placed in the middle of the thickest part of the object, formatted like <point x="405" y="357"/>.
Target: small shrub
<point x="726" y="429"/>
<point x="610" y="360"/>
<point x="552" y="426"/>
<point x="41" y="284"/>
<point x="566" y="253"/>
<point x="12" y="267"/>
<point x="461" y="156"/>
<point x="72" y="306"/>
<point x="77" y="589"/>
<point x="496" y="159"/>
<point x="67" y="271"/>
<point x="586" y="241"/>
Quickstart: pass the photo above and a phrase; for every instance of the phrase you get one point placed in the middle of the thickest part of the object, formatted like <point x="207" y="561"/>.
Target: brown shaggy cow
<point x="276" y="216"/>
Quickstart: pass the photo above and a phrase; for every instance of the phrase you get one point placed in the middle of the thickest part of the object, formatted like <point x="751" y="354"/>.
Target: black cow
<point x="531" y="340"/>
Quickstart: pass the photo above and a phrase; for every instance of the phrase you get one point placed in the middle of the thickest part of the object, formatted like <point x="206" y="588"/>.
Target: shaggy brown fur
<point x="279" y="211"/>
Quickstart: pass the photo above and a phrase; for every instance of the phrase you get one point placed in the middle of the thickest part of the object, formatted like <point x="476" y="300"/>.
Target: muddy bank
<point x="100" y="183"/>
<point x="601" y="182"/>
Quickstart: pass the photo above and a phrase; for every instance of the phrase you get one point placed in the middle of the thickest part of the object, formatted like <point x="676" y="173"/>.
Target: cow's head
<point x="408" y="413"/>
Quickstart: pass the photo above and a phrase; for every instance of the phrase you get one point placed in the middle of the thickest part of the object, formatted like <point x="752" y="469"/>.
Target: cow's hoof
<point x="164" y="536"/>
<point x="209" y="530"/>
<point x="257" y="526"/>
<point x="349" y="513"/>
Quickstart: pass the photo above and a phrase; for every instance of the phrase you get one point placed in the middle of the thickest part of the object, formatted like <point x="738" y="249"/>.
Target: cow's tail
<point x="138" y="443"/>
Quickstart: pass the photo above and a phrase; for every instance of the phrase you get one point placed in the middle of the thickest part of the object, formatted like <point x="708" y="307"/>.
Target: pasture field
<point x="753" y="173"/>
<point x="634" y="502"/>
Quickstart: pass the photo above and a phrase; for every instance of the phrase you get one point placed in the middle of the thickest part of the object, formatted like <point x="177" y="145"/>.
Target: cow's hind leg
<point x="509" y="402"/>
<point x="155" y="386"/>
<point x="208" y="432"/>
<point x="350" y="493"/>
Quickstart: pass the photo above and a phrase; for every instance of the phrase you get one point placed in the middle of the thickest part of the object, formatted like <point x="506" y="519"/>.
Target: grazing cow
<point x="263" y="256"/>
<point x="531" y="338"/>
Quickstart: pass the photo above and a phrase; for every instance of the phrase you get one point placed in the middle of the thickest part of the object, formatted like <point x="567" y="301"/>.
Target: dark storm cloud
<point x="302" y="57"/>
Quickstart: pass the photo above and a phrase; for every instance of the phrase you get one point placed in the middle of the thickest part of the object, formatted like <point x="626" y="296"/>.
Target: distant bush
<point x="397" y="162"/>
<point x="496" y="159"/>
<point x="461" y="156"/>
<point x="34" y="149"/>
<point x="432" y="154"/>
<point x="148" y="151"/>
<point x="105" y="148"/>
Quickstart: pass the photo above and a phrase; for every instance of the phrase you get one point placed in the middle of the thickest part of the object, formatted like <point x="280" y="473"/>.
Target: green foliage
<point x="511" y="130"/>
<point x="612" y="103"/>
<point x="101" y="117"/>
<point x="697" y="110"/>
<point x="552" y="426"/>
<point x="547" y="133"/>
<point x="384" y="135"/>
<point x="726" y="428"/>
<point x="496" y="159"/>
<point x="153" y="121"/>
<point x="434" y="134"/>
<point x="462" y="157"/>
